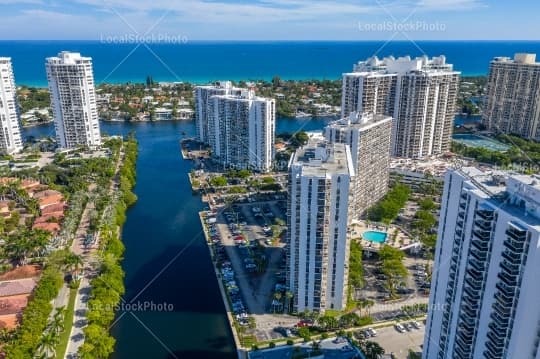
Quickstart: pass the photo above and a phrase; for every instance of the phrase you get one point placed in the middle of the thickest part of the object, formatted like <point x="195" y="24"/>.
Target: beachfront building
<point x="484" y="292"/>
<point x="239" y="128"/>
<point x="10" y="133"/>
<point x="73" y="100"/>
<point x="369" y="138"/>
<point x="320" y="175"/>
<point x="513" y="96"/>
<point x="420" y="94"/>
<point x="202" y="96"/>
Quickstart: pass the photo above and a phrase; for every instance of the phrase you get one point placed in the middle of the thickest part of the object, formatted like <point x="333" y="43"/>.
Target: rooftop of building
<point x="515" y="193"/>
<point x="405" y="64"/>
<point x="17" y="287"/>
<point x="320" y="158"/>
<point x="519" y="58"/>
<point x="360" y="121"/>
<point x="68" y="58"/>
<point x="434" y="166"/>
<point x="218" y="85"/>
<point x="244" y="95"/>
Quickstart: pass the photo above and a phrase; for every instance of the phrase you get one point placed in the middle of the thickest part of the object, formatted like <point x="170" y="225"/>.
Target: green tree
<point x="218" y="181"/>
<point x="48" y="343"/>
<point x="372" y="350"/>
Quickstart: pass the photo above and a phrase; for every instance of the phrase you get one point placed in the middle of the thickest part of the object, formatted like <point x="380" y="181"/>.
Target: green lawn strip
<point x="63" y="338"/>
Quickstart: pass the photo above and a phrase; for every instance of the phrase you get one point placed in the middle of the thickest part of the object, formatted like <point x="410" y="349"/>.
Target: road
<point x="91" y="262"/>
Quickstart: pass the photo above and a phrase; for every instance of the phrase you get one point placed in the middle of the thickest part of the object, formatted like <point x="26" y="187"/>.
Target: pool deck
<point x="401" y="241"/>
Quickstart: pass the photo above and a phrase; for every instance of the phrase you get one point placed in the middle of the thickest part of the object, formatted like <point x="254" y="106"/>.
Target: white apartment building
<point x="485" y="287"/>
<point x="320" y="176"/>
<point x="239" y="127"/>
<point x="10" y="133"/>
<point x="73" y="100"/>
<point x="202" y="96"/>
<point x="369" y="138"/>
<point x="513" y="96"/>
<point x="420" y="94"/>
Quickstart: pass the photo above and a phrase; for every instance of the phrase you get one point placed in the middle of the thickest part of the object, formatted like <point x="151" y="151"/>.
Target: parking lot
<point x="400" y="343"/>
<point x="413" y="291"/>
<point x="251" y="257"/>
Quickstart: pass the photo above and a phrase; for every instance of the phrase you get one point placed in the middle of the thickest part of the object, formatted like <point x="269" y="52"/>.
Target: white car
<point x="399" y="328"/>
<point x="416" y="325"/>
<point x="372" y="332"/>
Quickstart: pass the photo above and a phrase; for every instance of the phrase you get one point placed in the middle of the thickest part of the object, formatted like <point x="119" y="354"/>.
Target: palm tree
<point x="74" y="263"/>
<point x="48" y="343"/>
<point x="277" y="297"/>
<point x="289" y="296"/>
<point x="57" y="324"/>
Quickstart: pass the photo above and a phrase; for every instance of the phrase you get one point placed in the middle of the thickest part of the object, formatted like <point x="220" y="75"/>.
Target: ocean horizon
<point x="206" y="61"/>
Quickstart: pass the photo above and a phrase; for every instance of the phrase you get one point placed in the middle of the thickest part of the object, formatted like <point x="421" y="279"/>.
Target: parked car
<point x="372" y="332"/>
<point x="399" y="328"/>
<point x="415" y="324"/>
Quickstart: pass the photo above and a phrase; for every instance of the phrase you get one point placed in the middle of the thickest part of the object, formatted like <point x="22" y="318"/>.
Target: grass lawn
<point x="68" y="323"/>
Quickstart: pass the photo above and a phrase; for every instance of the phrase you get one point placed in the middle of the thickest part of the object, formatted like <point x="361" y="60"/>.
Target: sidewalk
<point x="76" y="338"/>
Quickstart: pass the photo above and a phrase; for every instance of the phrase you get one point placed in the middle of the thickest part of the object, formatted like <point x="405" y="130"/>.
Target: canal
<point x="174" y="308"/>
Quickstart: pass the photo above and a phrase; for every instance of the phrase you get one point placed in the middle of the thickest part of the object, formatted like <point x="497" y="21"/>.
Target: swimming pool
<point x="375" y="236"/>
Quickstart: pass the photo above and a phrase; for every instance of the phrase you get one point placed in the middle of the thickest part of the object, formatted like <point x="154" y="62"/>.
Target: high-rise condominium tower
<point x="513" y="96"/>
<point x="73" y="100"/>
<point x="202" y="97"/>
<point x="238" y="126"/>
<point x="369" y="137"/>
<point x="420" y="94"/>
<point x="10" y="132"/>
<point x="320" y="176"/>
<point x="484" y="292"/>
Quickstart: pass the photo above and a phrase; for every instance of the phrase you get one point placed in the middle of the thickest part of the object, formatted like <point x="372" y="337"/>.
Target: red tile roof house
<point x="52" y="205"/>
<point x="54" y="209"/>
<point x="48" y="197"/>
<point x="29" y="184"/>
<point x="14" y="296"/>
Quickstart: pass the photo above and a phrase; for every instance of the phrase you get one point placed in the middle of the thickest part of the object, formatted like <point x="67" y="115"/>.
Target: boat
<point x="300" y="114"/>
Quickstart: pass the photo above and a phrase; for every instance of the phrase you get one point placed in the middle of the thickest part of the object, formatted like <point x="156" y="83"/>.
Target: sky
<point x="193" y="20"/>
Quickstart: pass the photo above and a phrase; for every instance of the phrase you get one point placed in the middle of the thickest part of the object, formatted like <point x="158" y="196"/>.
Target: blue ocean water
<point x="201" y="62"/>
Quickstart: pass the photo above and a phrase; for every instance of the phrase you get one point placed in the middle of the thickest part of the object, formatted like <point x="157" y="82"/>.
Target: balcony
<point x="485" y="214"/>
<point x="519" y="235"/>
<point x="510" y="257"/>
<point x="509" y="280"/>
<point x="474" y="284"/>
<point x="482" y="245"/>
<point x="502" y="312"/>
<point x="510" y="268"/>
<point x="483" y="224"/>
<point x="482" y="234"/>
<point x="480" y="256"/>
<point x="473" y="293"/>
<point x="514" y="246"/>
